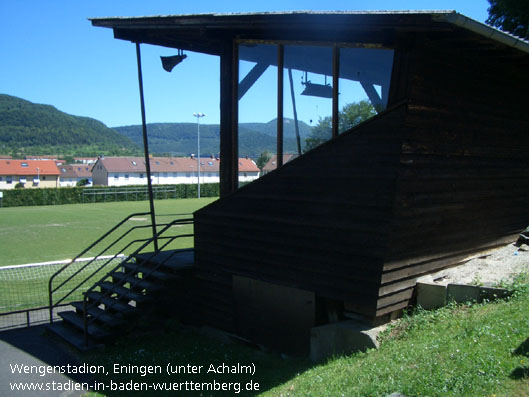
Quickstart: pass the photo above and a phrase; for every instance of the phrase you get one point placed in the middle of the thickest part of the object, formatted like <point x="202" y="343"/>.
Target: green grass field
<point x="460" y="350"/>
<point x="49" y="233"/>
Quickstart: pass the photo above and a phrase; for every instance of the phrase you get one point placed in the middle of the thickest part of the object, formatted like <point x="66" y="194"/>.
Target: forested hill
<point x="180" y="139"/>
<point x="30" y="128"/>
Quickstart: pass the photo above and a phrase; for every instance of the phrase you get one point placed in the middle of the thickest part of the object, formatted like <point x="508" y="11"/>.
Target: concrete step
<point x="175" y="260"/>
<point x="147" y="272"/>
<point x="112" y="303"/>
<point x="139" y="284"/>
<point x="73" y="336"/>
<point x="124" y="293"/>
<point x="95" y="331"/>
<point x="108" y="319"/>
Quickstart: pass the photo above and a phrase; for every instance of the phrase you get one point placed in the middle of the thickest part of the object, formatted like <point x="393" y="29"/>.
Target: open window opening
<point x="308" y="93"/>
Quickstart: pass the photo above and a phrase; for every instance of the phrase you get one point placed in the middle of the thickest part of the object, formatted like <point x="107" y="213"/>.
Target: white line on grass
<point x="61" y="262"/>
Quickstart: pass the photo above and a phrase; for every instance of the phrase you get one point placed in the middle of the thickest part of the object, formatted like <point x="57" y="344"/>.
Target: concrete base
<point x="491" y="293"/>
<point x="430" y="295"/>
<point x="342" y="338"/>
<point x="464" y="293"/>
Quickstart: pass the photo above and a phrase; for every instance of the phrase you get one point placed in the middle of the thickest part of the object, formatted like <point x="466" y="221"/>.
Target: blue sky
<point x="51" y="54"/>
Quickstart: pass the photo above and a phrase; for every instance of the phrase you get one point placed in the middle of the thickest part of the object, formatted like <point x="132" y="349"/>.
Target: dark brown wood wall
<point x="319" y="223"/>
<point x="414" y="190"/>
<point x="464" y="168"/>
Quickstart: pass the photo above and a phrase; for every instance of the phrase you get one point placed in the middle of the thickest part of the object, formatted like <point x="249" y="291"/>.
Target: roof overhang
<point x="209" y="33"/>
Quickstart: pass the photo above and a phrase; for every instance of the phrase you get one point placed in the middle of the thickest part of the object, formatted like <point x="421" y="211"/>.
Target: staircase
<point x="138" y="292"/>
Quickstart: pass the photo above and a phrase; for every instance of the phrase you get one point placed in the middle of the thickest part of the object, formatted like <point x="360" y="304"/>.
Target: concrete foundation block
<point x="492" y="293"/>
<point x="430" y="295"/>
<point x="463" y="293"/>
<point x="342" y="338"/>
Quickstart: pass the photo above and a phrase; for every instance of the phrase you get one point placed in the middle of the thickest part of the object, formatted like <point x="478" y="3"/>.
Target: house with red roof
<point x="123" y="171"/>
<point x="272" y="163"/>
<point x="29" y="173"/>
<point x="73" y="173"/>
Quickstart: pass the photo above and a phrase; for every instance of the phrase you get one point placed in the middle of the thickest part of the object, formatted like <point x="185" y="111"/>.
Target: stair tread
<point x="122" y="291"/>
<point x="102" y="316"/>
<point x="138" y="282"/>
<point x="76" y="320"/>
<point x="179" y="260"/>
<point x="147" y="270"/>
<point x="113" y="303"/>
<point x="72" y="335"/>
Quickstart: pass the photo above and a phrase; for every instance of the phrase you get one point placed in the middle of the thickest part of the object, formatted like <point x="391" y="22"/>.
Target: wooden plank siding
<point x="319" y="223"/>
<point x="463" y="180"/>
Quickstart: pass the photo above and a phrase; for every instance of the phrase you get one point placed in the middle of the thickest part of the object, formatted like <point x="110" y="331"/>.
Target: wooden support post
<point x="280" y="62"/>
<point x="294" y="110"/>
<point x="146" y="149"/>
<point x="229" y="143"/>
<point x="335" y="82"/>
<point x="398" y="88"/>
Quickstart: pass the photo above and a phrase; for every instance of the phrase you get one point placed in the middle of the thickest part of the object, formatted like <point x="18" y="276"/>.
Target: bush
<point x="98" y="194"/>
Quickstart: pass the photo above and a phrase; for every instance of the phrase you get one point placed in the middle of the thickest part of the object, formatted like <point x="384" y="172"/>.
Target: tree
<point x="263" y="159"/>
<point x="350" y="116"/>
<point x="82" y="182"/>
<point x="510" y="15"/>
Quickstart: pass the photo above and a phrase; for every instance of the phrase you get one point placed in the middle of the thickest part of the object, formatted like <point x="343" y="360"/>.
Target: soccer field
<point x="48" y="233"/>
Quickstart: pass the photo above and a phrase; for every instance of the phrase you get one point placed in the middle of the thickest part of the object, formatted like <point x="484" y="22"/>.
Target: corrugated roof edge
<point x="485" y="30"/>
<point x="309" y="12"/>
<point x="447" y="16"/>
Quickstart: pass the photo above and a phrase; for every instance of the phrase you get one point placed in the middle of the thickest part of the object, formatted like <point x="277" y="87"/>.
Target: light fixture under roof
<point x="317" y="90"/>
<point x="168" y="63"/>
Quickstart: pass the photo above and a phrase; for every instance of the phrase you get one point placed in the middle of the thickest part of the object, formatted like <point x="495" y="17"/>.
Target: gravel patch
<point x="488" y="267"/>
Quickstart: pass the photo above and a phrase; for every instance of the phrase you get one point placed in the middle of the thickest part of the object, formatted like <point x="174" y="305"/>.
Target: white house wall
<point x="168" y="178"/>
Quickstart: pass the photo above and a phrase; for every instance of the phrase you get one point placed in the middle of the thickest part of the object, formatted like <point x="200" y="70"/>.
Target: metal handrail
<point x="101" y="253"/>
<point x="63" y="268"/>
<point x="147" y="241"/>
<point x="86" y="321"/>
<point x="99" y="268"/>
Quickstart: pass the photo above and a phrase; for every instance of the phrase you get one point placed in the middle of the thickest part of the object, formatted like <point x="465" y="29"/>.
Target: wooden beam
<point x="252" y="76"/>
<point x="229" y="145"/>
<point x="372" y="94"/>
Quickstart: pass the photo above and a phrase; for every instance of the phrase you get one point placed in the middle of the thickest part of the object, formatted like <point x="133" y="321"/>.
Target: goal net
<point x="24" y="295"/>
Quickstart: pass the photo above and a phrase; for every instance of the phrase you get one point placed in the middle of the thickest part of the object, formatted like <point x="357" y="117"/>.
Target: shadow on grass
<point x="199" y="365"/>
<point x="521" y="372"/>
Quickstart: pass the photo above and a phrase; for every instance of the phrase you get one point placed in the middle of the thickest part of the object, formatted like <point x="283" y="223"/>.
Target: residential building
<point x="248" y="170"/>
<point x="30" y="173"/>
<point x="123" y="171"/>
<point x="85" y="160"/>
<point x="73" y="173"/>
<point x="272" y="163"/>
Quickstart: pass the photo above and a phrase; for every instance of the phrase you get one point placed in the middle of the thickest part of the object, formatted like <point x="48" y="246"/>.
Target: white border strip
<point x="65" y="261"/>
